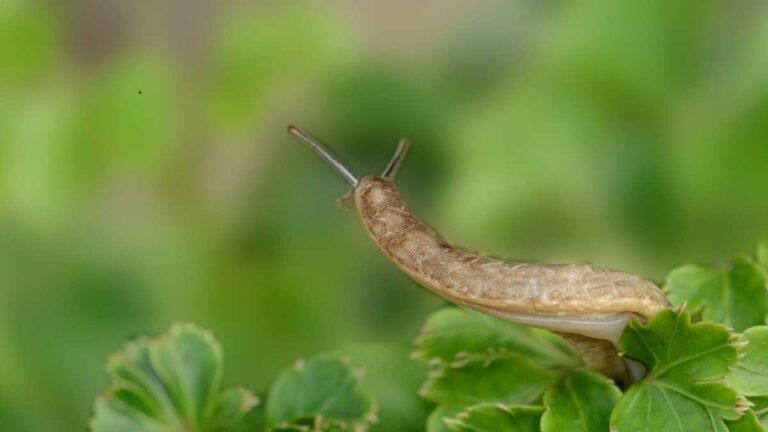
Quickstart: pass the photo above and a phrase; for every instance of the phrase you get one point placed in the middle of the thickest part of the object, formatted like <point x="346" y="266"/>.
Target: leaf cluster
<point x="488" y="374"/>
<point x="706" y="365"/>
<point x="706" y="371"/>
<point x="174" y="383"/>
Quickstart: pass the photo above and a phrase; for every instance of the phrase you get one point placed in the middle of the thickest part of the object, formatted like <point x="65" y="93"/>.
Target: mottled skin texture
<point x="559" y="289"/>
<point x="489" y="284"/>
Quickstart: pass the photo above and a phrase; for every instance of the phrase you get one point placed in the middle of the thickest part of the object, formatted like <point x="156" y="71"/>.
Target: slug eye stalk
<point x="331" y="159"/>
<point x="326" y="154"/>
<point x="397" y="160"/>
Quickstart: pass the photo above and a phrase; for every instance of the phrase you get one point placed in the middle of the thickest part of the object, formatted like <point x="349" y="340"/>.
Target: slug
<point x="589" y="306"/>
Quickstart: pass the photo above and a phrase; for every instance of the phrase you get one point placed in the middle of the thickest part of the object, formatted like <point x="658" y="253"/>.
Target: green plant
<point x="702" y="375"/>
<point x="173" y="383"/>
<point x="706" y="361"/>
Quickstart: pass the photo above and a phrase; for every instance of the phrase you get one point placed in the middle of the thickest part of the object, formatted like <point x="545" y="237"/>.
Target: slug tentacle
<point x="589" y="305"/>
<point x="326" y="154"/>
<point x="397" y="160"/>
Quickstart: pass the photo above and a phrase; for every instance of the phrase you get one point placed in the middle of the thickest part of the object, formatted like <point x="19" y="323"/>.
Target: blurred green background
<point x="146" y="176"/>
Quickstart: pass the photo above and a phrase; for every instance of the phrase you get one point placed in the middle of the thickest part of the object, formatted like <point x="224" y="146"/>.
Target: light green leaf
<point x="477" y="359"/>
<point x="457" y="335"/>
<point x="581" y="402"/>
<point x="750" y="377"/>
<point x="393" y="380"/>
<point x="509" y="379"/>
<point x="685" y="388"/>
<point x="735" y="296"/>
<point x="436" y="420"/>
<point x="497" y="418"/>
<point x="760" y="408"/>
<point x="233" y="410"/>
<point x="323" y="392"/>
<point x="747" y="423"/>
<point x="171" y="383"/>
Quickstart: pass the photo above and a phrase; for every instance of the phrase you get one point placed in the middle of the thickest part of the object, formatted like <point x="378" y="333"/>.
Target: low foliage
<point x="701" y="374"/>
<point x="169" y="383"/>
<point x="173" y="383"/>
<point x="322" y="393"/>
<point x="734" y="294"/>
<point x="484" y="374"/>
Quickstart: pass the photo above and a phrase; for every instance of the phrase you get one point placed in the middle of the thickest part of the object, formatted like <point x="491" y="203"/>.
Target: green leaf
<point x="230" y="412"/>
<point x="750" y="377"/>
<point x="747" y="423"/>
<point x="393" y="380"/>
<point x="476" y="358"/>
<point x="323" y="392"/>
<point x="760" y="408"/>
<point x="685" y="388"/>
<point x="581" y="402"/>
<point x="458" y="335"/>
<point x="510" y="379"/>
<point x="497" y="418"/>
<point x="436" y="420"/>
<point x="171" y="383"/>
<point x="735" y="296"/>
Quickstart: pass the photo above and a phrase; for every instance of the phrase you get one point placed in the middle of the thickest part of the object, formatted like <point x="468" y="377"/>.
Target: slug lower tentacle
<point x="590" y="306"/>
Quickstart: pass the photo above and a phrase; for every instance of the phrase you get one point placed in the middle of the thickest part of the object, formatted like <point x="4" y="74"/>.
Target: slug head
<point x="331" y="159"/>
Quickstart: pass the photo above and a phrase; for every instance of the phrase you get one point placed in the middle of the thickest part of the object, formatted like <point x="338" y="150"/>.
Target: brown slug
<point x="589" y="306"/>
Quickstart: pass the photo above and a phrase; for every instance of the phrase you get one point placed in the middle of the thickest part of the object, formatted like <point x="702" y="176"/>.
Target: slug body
<point x="581" y="299"/>
<point x="590" y="306"/>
